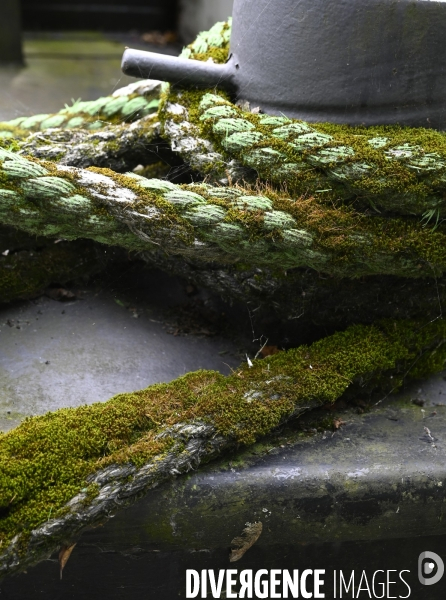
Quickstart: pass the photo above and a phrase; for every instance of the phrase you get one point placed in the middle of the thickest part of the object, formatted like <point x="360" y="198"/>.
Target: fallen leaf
<point x="159" y="39"/>
<point x="242" y="544"/>
<point x="64" y="555"/>
<point x="337" y="423"/>
<point x="419" y="401"/>
<point x="269" y="350"/>
<point x="191" y="290"/>
<point x="60" y="294"/>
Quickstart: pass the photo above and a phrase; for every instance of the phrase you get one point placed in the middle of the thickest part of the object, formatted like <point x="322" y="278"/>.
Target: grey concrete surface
<point x="60" y="68"/>
<point x="56" y="354"/>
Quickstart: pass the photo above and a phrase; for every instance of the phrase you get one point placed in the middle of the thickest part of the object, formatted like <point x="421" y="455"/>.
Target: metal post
<point x="10" y="32"/>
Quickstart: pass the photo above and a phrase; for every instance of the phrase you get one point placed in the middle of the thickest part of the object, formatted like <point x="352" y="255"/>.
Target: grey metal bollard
<point x="351" y="61"/>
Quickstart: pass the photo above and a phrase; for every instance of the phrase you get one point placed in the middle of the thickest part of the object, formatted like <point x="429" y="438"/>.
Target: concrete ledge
<point x="378" y="477"/>
<point x="370" y="495"/>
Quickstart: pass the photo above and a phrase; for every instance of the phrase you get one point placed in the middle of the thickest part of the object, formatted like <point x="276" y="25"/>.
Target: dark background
<point x="65" y="15"/>
<point x="106" y="15"/>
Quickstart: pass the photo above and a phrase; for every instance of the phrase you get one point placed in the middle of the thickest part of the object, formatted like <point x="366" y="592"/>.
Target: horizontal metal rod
<point x="181" y="71"/>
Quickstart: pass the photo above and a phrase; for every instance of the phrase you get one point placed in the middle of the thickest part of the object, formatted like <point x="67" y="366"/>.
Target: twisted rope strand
<point x="212" y="414"/>
<point x="126" y="104"/>
<point x="117" y="147"/>
<point x="399" y="170"/>
<point x="207" y="223"/>
<point x="398" y="177"/>
<point x="178" y="425"/>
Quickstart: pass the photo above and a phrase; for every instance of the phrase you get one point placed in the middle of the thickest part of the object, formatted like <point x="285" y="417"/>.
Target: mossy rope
<point x="105" y="455"/>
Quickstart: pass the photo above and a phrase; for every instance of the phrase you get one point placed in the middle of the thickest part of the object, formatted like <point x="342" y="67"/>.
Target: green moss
<point x="244" y="406"/>
<point x="350" y="230"/>
<point x="215" y="46"/>
<point x="218" y="55"/>
<point x="9" y="136"/>
<point x="394" y="185"/>
<point x="88" y="115"/>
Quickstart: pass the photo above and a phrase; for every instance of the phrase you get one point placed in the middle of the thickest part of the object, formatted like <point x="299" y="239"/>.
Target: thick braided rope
<point x="197" y="149"/>
<point x="399" y="170"/>
<point x="266" y="228"/>
<point x="116" y="147"/>
<point x="111" y="453"/>
<point x="393" y="175"/>
<point x="294" y="152"/>
<point x="126" y="104"/>
<point x="209" y="223"/>
<point x="263" y="226"/>
<point x="392" y="170"/>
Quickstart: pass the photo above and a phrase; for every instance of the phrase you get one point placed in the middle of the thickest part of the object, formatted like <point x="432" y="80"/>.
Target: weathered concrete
<point x="56" y="354"/>
<point x="63" y="67"/>
<point x="368" y="496"/>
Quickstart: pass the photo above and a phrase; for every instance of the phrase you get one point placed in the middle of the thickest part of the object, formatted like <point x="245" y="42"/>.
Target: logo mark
<point x="429" y="564"/>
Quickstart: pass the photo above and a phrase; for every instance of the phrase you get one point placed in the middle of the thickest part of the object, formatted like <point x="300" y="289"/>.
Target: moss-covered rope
<point x="118" y="147"/>
<point x="105" y="455"/>
<point x="265" y="226"/>
<point x="314" y="211"/>
<point x="394" y="169"/>
<point x="127" y="104"/>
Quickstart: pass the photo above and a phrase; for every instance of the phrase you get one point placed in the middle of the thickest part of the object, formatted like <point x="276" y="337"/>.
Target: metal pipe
<point x="180" y="71"/>
<point x="362" y="62"/>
